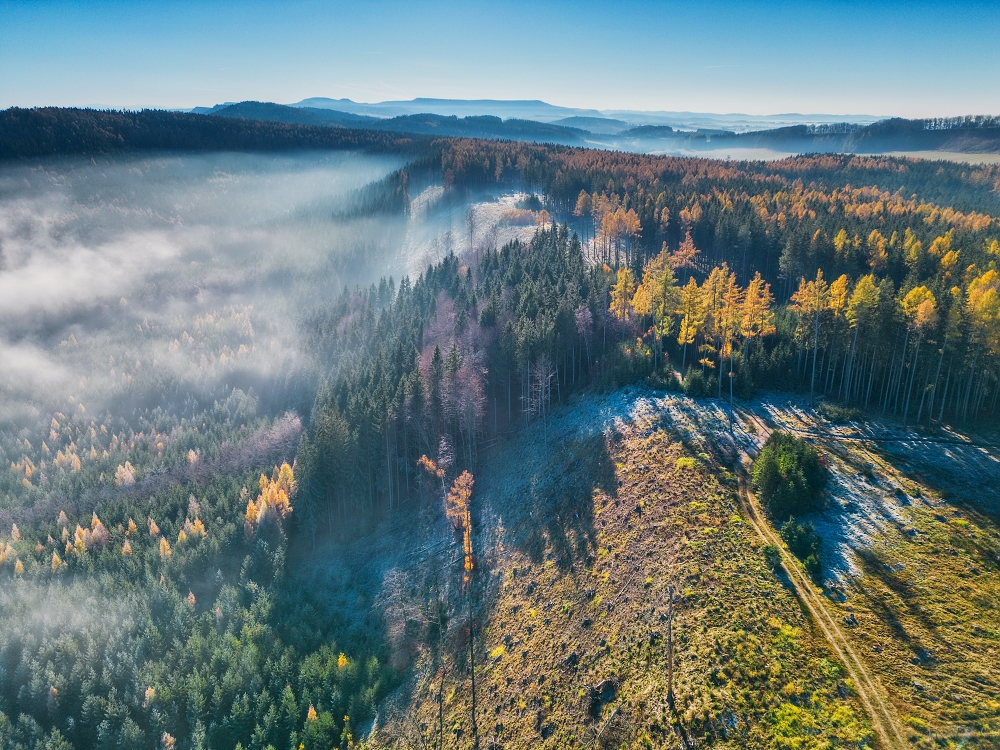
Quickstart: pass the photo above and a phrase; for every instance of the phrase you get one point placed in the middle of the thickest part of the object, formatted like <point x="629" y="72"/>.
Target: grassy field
<point x="912" y="552"/>
<point x="581" y="536"/>
<point x="926" y="604"/>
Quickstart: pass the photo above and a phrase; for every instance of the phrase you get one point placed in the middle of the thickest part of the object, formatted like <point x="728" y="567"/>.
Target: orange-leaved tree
<point x="274" y="498"/>
<point x="458" y="510"/>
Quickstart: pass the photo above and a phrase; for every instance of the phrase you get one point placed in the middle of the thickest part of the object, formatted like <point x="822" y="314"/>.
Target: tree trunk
<point x="968" y="390"/>
<point x="812" y="382"/>
<point x="937" y="377"/>
<point x="944" y="393"/>
<point x="913" y="375"/>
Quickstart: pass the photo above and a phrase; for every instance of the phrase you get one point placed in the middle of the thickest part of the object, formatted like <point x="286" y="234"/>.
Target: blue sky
<point x="883" y="58"/>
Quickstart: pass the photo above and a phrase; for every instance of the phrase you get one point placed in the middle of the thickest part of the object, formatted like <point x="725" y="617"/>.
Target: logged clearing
<point x="583" y="525"/>
<point x="911" y="538"/>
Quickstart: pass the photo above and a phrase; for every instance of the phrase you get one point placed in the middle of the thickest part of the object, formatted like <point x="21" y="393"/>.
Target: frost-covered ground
<point x="866" y="502"/>
<point x="872" y="465"/>
<point x="438" y="226"/>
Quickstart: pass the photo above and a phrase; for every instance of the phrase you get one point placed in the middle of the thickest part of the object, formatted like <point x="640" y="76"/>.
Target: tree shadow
<point x="557" y="517"/>
<point x="875" y="567"/>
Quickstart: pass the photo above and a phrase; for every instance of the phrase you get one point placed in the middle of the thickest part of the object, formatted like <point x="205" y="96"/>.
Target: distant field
<point x="949" y="156"/>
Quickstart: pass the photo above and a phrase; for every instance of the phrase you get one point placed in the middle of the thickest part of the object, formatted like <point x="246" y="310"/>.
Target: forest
<point x="55" y="131"/>
<point x="667" y="267"/>
<point x="868" y="282"/>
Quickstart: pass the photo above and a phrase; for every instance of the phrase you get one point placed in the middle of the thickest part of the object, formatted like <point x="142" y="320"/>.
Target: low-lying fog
<point x="123" y="282"/>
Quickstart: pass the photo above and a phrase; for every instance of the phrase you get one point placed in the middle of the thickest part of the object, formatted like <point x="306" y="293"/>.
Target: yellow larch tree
<point x="621" y="295"/>
<point x="657" y="297"/>
<point x="757" y="316"/>
<point x="275" y="497"/>
<point x="920" y="309"/>
<point x="692" y="311"/>
<point x="809" y="301"/>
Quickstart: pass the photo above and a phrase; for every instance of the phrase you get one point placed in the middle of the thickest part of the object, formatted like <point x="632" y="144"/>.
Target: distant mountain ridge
<point x="975" y="134"/>
<point x="57" y="131"/>
<point x="529" y="109"/>
<point x="472" y="126"/>
<point x="263" y="126"/>
<point x="979" y="134"/>
<point x="541" y="111"/>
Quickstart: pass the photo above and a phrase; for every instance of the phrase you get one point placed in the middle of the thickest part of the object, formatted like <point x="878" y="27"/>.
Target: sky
<point x="912" y="59"/>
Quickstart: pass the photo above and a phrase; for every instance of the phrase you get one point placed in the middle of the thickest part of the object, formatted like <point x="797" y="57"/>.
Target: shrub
<point x="788" y="475"/>
<point x="805" y="544"/>
<point x="696" y="384"/>
<point x="839" y="414"/>
<point x="772" y="555"/>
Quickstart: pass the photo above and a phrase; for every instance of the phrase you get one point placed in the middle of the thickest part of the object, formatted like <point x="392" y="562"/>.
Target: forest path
<point x="870" y="692"/>
<point x="708" y="423"/>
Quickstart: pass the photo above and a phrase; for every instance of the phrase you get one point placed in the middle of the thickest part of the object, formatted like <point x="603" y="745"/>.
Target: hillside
<point x="184" y="326"/>
<point x="579" y="546"/>
<point x="968" y="135"/>
<point x="615" y="501"/>
<point x="478" y="126"/>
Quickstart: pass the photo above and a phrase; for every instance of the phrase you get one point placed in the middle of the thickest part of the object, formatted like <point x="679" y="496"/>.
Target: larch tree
<point x="809" y="301"/>
<point x="920" y="309"/>
<point x="983" y="311"/>
<point x="657" y="297"/>
<point x="622" y="294"/>
<point x="757" y="315"/>
<point x="860" y="311"/>
<point x="691" y="309"/>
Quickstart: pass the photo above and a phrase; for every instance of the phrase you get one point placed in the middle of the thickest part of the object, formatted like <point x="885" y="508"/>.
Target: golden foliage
<point x="125" y="475"/>
<point x="431" y="467"/>
<point x="920" y="307"/>
<point x="274" y="497"/>
<point x="165" y="550"/>
<point x="458" y="509"/>
<point x="621" y="295"/>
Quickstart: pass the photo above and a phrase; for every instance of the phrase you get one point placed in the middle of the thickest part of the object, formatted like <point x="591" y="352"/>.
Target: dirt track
<point x="870" y="692"/>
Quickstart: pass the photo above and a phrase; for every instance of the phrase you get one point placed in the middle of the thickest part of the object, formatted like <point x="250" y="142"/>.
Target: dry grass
<point x="580" y="543"/>
<point x="926" y="606"/>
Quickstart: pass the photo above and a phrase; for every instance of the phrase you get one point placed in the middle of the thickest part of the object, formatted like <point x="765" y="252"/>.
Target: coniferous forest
<point x="145" y="554"/>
